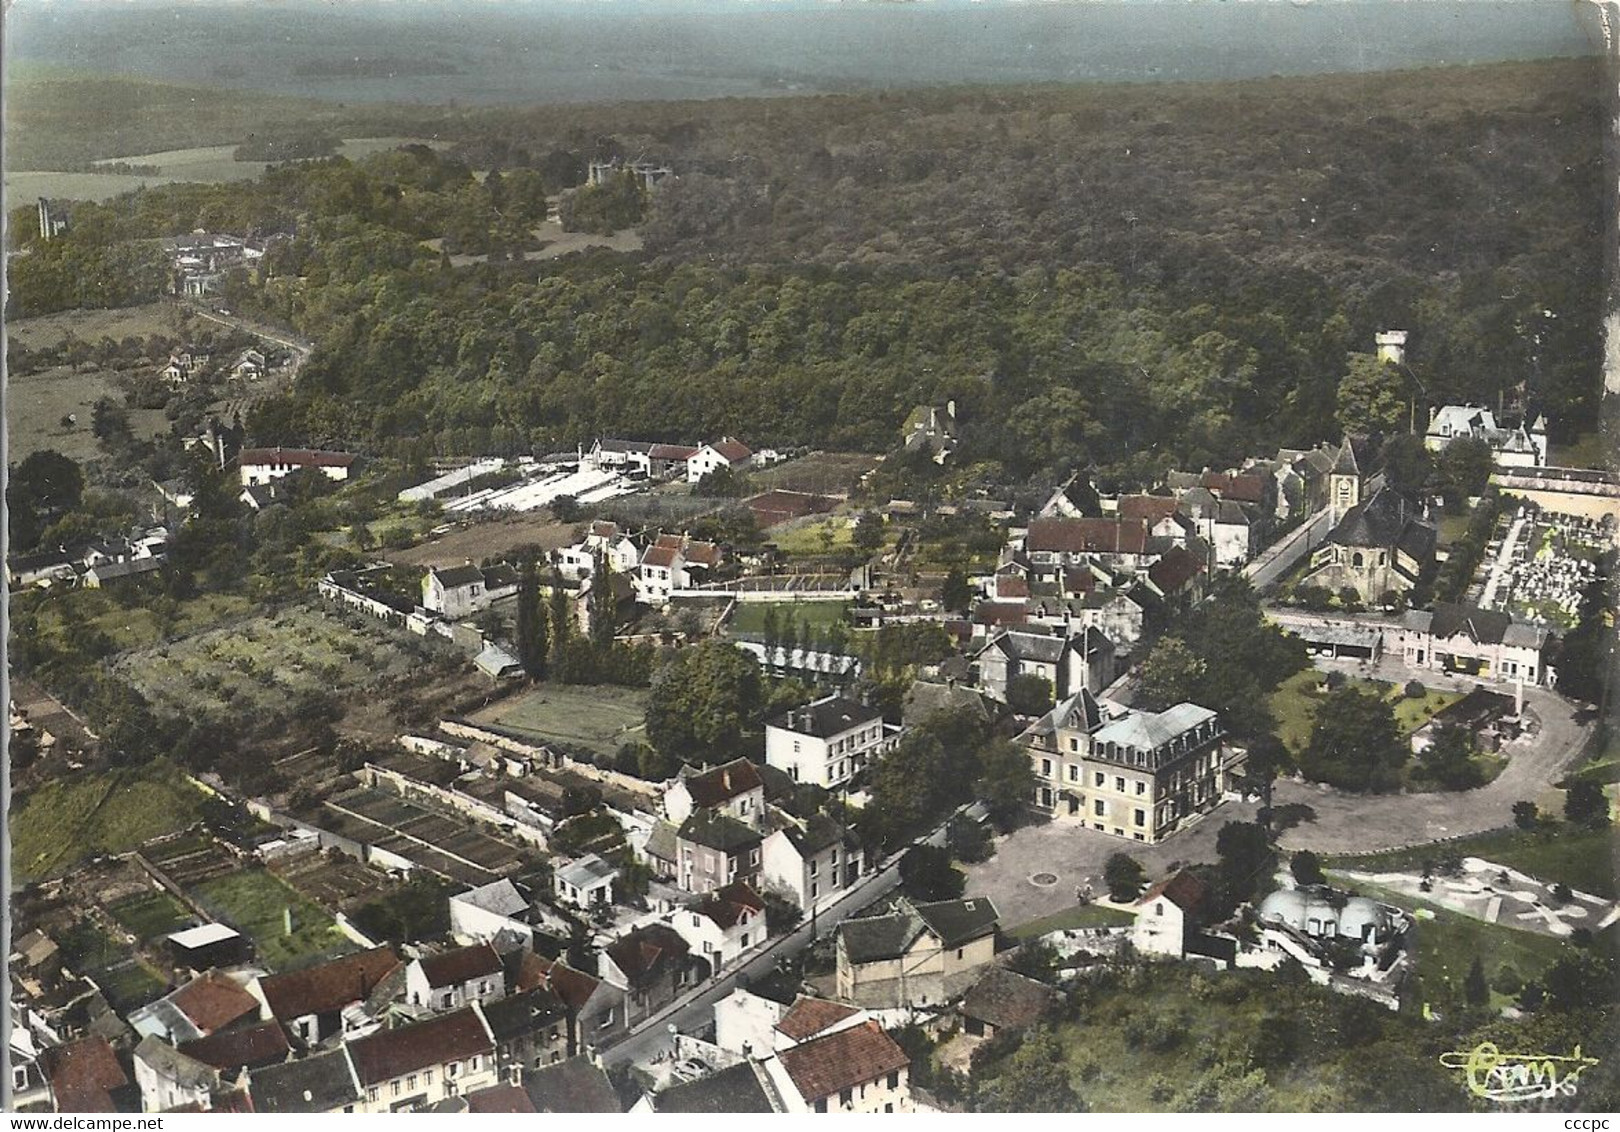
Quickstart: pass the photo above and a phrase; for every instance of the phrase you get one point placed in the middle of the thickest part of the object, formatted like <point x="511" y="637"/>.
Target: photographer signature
<point x="1511" y="1077"/>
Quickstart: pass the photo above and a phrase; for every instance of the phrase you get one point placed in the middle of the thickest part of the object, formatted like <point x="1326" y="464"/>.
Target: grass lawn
<point x="137" y="626"/>
<point x="748" y="619"/>
<point x="1448" y="944"/>
<point x="1294" y="703"/>
<point x="150" y="915"/>
<point x="126" y="981"/>
<point x="1583" y="859"/>
<point x="1080" y="916"/>
<point x="254" y="902"/>
<point x="69" y="819"/>
<point x="824" y="536"/>
<point x="596" y="719"/>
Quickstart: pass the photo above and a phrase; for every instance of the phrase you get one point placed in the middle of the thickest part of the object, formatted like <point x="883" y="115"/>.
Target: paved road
<point x="1349" y="823"/>
<point x="695" y="1010"/>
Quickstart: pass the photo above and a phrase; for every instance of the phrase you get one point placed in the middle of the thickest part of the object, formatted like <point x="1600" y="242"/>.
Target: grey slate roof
<point x="716" y="831"/>
<point x="169" y="1062"/>
<point x="1006" y="999"/>
<point x="318" y="1083"/>
<point x="734" y="1089"/>
<point x="955" y="922"/>
<point x="574" y="1085"/>
<point x="1148" y="731"/>
<point x="586" y="871"/>
<point x="452" y="576"/>
<point x="520" y="1014"/>
<point x="827" y="717"/>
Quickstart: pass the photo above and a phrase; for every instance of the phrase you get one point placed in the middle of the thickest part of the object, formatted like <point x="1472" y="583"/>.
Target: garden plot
<point x="255" y="670"/>
<point x="335" y="882"/>
<point x="191" y="858"/>
<point x="151" y="915"/>
<point x="820" y="473"/>
<point x="287" y="930"/>
<point x="590" y="721"/>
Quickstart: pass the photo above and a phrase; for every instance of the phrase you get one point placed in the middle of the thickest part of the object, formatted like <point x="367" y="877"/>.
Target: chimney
<point x="1392" y="347"/>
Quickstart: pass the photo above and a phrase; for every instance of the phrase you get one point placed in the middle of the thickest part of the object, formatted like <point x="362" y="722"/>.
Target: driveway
<point x="1328" y="820"/>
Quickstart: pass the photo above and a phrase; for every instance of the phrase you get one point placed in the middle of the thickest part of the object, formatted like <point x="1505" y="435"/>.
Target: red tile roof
<point x="1000" y="613"/>
<point x="669" y="452"/>
<point x="213" y="1002"/>
<point x="299" y="457"/>
<point x="499" y="1098"/>
<point x="1152" y="508"/>
<point x="392" y="1053"/>
<point x="1011" y="586"/>
<point x="726" y="906"/>
<point x="1184" y="890"/>
<point x="328" y="987"/>
<point x="1172" y="572"/>
<point x="452" y="968"/>
<point x="734" y="450"/>
<point x="825" y="1066"/>
<point x="808" y="1017"/>
<point x="572" y="986"/>
<point x="702" y="553"/>
<point x="256" y="1046"/>
<point x="718" y="785"/>
<point x="83" y="1074"/>
<point x="658" y="556"/>
<point x="1087" y="536"/>
<point x="1239" y="488"/>
<point x="647" y="952"/>
<point x="670" y="542"/>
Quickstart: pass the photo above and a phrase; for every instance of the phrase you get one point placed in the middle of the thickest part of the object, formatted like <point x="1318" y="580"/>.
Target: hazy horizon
<point x="612" y="50"/>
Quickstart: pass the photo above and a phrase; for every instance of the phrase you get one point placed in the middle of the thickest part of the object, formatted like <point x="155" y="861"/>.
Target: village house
<point x="455" y="978"/>
<point x="247" y="1047"/>
<point x="1127" y="772"/>
<point x="169" y="1079"/>
<point x="1518" y="447"/>
<point x="262" y="465"/>
<point x="733" y="789"/>
<point x="210" y="1002"/>
<point x="457" y="592"/>
<point x="652" y="965"/>
<point x="810" y="859"/>
<point x="728" y="452"/>
<point x="408" y="1068"/>
<point x="85" y="1076"/>
<point x="1484" y="643"/>
<point x="595" y="1007"/>
<point x="859" y="1069"/>
<point x="586" y="883"/>
<point x="826" y="741"/>
<point x="673" y="562"/>
<point x="931" y="428"/>
<point x="532" y="1029"/>
<point x="1054" y="545"/>
<point x="490" y="912"/>
<point x="575" y="1085"/>
<point x="343" y="996"/>
<point x="1065" y="663"/>
<point x="917" y="955"/>
<point x="723" y="925"/>
<point x="1113" y="612"/>
<point x="1004" y="1000"/>
<point x="1169" y="914"/>
<point x="713" y="850"/>
<point x="321" y="1082"/>
<point x="631" y="457"/>
<point x="250" y="365"/>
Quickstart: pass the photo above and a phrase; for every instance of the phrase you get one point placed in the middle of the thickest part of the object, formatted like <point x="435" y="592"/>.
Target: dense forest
<point x="1133" y="277"/>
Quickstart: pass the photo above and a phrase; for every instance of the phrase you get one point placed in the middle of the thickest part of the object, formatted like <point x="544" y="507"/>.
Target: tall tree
<point x="704" y="703"/>
<point x="1372" y="397"/>
<point x="955" y="595"/>
<point x="604" y="607"/>
<point x="533" y="646"/>
<point x="1170" y="675"/>
<point x="1355" y="743"/>
<point x="562" y="614"/>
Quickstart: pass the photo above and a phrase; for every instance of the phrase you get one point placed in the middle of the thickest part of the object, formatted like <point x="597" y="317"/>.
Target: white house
<point x="261" y="465"/>
<point x="1167" y="913"/>
<point x="826" y="741"/>
<point x="407" y="1068"/>
<point x="858" y="1069"/>
<point x="1519" y="447"/>
<point x="169" y="1079"/>
<point x="455" y="978"/>
<point x="734" y="789"/>
<point x="586" y="883"/>
<point x="456" y="592"/>
<point x="723" y="925"/>
<point x="489" y="911"/>
<point x="673" y="562"/>
<point x="1066" y="663"/>
<point x="810" y="859"/>
<point x="728" y="452"/>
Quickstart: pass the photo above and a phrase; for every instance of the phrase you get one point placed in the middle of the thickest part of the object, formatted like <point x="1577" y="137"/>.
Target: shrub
<point x="1415" y="690"/>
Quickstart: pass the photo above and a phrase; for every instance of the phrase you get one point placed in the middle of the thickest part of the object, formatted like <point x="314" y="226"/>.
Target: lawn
<point x="1448" y="944"/>
<point x="68" y="819"/>
<point x="37" y="403"/>
<point x="820" y="473"/>
<point x="1080" y="916"/>
<point x="822" y="536"/>
<point x="1583" y="859"/>
<point x="124" y="979"/>
<point x="1293" y="705"/>
<point x="256" y="903"/>
<point x="748" y="619"/>
<point x="139" y="626"/>
<point x="597" y="720"/>
<point x="151" y="915"/>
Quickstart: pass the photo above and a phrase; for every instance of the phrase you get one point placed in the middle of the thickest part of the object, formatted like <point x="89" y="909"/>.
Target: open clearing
<point x="69" y="819"/>
<point x="595" y="720"/>
<point x="91" y="325"/>
<point x="151" y="915"/>
<point x="37" y="403"/>
<point x="258" y="904"/>
<point x="208" y="164"/>
<point x="254" y="669"/>
<point x="493" y="539"/>
<point x="1294" y="705"/>
<point x="819" y="473"/>
<point x="749" y="619"/>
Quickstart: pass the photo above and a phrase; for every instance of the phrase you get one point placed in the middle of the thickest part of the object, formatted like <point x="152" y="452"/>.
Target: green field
<point x="1586" y="860"/>
<point x="748" y="619"/>
<point x="126" y="981"/>
<point x="598" y="720"/>
<point x="1294" y="703"/>
<point x="138" y="626"/>
<point x="68" y="819"/>
<point x="254" y="902"/>
<point x="821" y="536"/>
<point x="256" y="665"/>
<point x="151" y="915"/>
<point x="1086" y="916"/>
